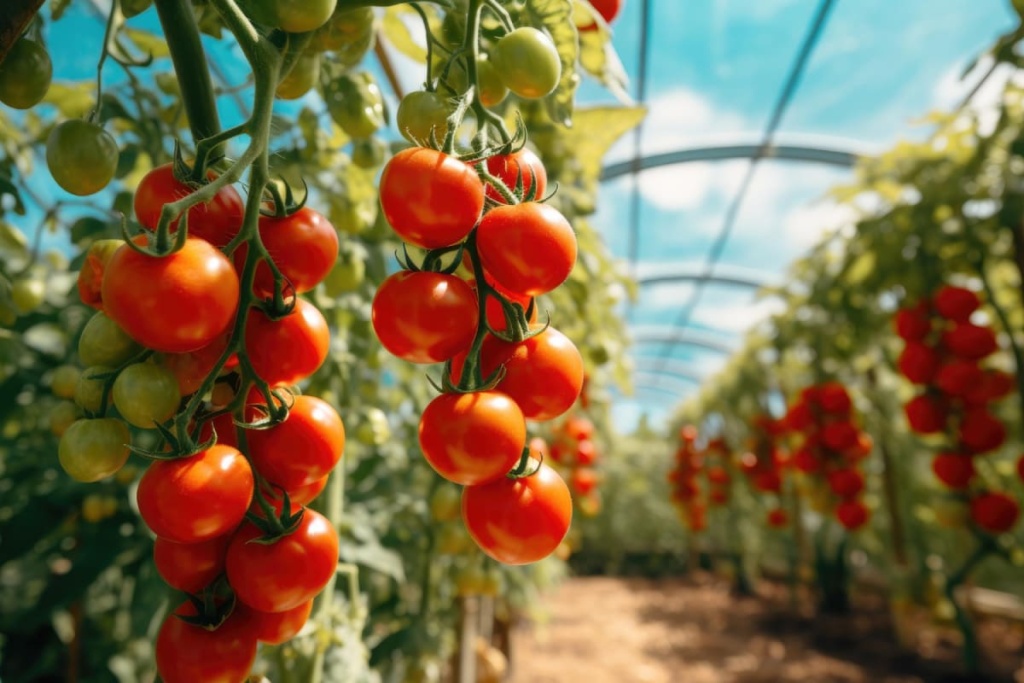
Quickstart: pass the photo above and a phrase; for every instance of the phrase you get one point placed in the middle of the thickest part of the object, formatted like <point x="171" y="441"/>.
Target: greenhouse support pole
<point x="15" y="15"/>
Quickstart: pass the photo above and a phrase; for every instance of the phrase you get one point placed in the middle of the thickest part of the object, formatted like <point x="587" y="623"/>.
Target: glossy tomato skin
<point x="508" y="167"/>
<point x="284" y="574"/>
<point x="543" y="374"/>
<point x="188" y="654"/>
<point x="194" y="499"/>
<point x="81" y="156"/>
<point x="304" y="247"/>
<point x="216" y="221"/>
<point x="608" y="9"/>
<point x="176" y="303"/>
<point x="190" y="567"/>
<point x="91" y="450"/>
<point x="472" y="438"/>
<point x="424" y="317"/>
<point x="25" y="74"/>
<point x="430" y="199"/>
<point x="528" y="248"/>
<point x="275" y="628"/>
<point x="527" y="62"/>
<point x="519" y="521"/>
<point x="288" y="350"/>
<point x="301" y="450"/>
<point x="422" y="114"/>
<point x="191" y="369"/>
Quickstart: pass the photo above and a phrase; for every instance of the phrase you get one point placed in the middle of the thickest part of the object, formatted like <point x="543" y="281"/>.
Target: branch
<point x="15" y="15"/>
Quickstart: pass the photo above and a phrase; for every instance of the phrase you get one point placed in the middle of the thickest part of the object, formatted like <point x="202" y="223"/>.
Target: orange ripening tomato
<point x="288" y="350"/>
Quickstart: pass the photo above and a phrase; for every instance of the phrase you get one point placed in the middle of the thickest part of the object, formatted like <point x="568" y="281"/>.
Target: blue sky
<point x="715" y="71"/>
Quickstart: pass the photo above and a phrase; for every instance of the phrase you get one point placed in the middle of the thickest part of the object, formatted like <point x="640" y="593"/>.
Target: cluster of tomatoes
<point x="717" y="457"/>
<point x="501" y="367"/>
<point x="763" y="464"/>
<point x="943" y="353"/>
<point x="832" y="447"/>
<point x="686" y="490"/>
<point x="241" y="453"/>
<point x="573" y="448"/>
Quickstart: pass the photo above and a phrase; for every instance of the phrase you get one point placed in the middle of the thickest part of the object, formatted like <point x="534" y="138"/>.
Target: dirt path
<point x="603" y="630"/>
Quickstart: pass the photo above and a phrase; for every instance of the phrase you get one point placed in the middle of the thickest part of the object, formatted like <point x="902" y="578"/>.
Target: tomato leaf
<point x="596" y="129"/>
<point x="397" y="27"/>
<point x="556" y="17"/>
<point x="74" y="100"/>
<point x="599" y="58"/>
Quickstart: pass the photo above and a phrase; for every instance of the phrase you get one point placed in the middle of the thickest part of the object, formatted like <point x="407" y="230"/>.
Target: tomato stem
<point x="182" y="32"/>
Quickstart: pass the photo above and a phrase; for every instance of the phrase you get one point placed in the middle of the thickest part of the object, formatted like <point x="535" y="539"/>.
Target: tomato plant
<point x="186" y="652"/>
<point x="216" y="221"/>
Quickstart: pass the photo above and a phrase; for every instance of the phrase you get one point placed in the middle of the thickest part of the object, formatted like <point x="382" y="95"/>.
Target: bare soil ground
<point x="612" y="630"/>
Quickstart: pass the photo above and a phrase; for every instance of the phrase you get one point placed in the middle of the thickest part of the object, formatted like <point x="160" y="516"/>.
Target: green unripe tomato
<point x="81" y="156"/>
<point x="301" y="79"/>
<point x="25" y="74"/>
<point x="28" y="294"/>
<point x="349" y="33"/>
<point x="293" y="16"/>
<point x="369" y="153"/>
<point x="91" y="450"/>
<point x="62" y="416"/>
<point x="527" y="62"/>
<point x="421" y="112"/>
<point x="103" y="342"/>
<point x="491" y="90"/>
<point x="355" y="103"/>
<point x="89" y="390"/>
<point x="64" y="380"/>
<point x="146" y="394"/>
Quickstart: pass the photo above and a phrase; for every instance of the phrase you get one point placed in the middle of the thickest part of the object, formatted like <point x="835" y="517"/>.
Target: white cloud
<point x="805" y="225"/>
<point x="737" y="318"/>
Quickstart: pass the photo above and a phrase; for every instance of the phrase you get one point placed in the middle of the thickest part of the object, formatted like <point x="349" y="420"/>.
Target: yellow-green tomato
<point x="491" y="89"/>
<point x="301" y="79"/>
<point x="103" y="342"/>
<point x="421" y="113"/>
<point x="146" y="394"/>
<point x="28" y="294"/>
<point x="82" y="156"/>
<point x="355" y="103"/>
<point x="91" y="450"/>
<point x="25" y="74"/>
<point x="64" y="380"/>
<point x="527" y="62"/>
<point x="293" y="16"/>
<point x="62" y="416"/>
<point x="89" y="390"/>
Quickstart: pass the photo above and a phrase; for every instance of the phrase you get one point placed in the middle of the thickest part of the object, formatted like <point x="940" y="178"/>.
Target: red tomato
<point x="839" y="436"/>
<point x="192" y="368"/>
<point x="518" y="521"/>
<point x="430" y="199"/>
<point x="175" y="304"/>
<point x="289" y="572"/>
<point x="956" y="303"/>
<point x="90" y="277"/>
<point x="472" y="438"/>
<point x="806" y="460"/>
<point x="995" y="513"/>
<point x="288" y="350"/>
<point x="846" y="483"/>
<point x="508" y="167"/>
<point x="527" y="248"/>
<point x="918" y="362"/>
<point x="852" y="514"/>
<point x="586" y="452"/>
<point x="543" y="374"/>
<point x="970" y="341"/>
<point x="275" y="628"/>
<point x="301" y="450"/>
<point x="927" y="414"/>
<point x="197" y="498"/>
<point x="777" y="518"/>
<point x="424" y="317"/>
<point x="216" y="221"/>
<point x="187" y="654"/>
<point x="584" y="480"/>
<point x="578" y="428"/>
<point x="954" y="469"/>
<point x="980" y="431"/>
<point x="190" y="567"/>
<point x="914" y="323"/>
<point x="304" y="247"/>
<point x="718" y="475"/>
<point x="959" y="377"/>
<point x="834" y="399"/>
<point x="297" y="496"/>
<point x="608" y="9"/>
<point x="769" y="481"/>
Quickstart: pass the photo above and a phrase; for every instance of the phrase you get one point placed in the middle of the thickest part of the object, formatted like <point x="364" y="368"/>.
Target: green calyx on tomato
<point x="423" y="117"/>
<point x="82" y="156"/>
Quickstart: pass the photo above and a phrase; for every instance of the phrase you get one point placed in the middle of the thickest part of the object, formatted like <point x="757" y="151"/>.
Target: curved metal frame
<point x="834" y="156"/>
<point x="671" y="334"/>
